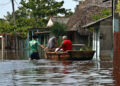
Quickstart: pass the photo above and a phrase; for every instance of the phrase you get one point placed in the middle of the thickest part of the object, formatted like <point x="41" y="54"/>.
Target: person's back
<point x="51" y="43"/>
<point x="33" y="46"/>
<point x="67" y="45"/>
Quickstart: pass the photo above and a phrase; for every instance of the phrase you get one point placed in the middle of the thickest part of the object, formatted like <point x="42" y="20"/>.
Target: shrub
<point x="58" y="29"/>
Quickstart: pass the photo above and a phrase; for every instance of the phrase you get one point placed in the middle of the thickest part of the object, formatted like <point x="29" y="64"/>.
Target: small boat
<point x="71" y="55"/>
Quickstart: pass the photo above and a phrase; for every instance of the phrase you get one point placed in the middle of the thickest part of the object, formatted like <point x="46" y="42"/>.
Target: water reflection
<point x="21" y="72"/>
<point x="15" y="54"/>
<point x="55" y="73"/>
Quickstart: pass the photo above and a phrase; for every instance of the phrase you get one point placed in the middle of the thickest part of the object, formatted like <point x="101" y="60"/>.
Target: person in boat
<point x="52" y="43"/>
<point x="66" y="44"/>
<point x="33" y="47"/>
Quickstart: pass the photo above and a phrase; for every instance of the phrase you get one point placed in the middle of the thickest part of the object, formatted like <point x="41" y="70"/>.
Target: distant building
<point x="57" y="19"/>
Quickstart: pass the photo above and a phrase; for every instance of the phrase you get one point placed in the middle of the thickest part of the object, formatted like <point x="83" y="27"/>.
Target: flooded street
<point x="49" y="28"/>
<point x="56" y="73"/>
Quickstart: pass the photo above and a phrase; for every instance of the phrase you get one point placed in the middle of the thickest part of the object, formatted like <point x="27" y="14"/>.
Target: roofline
<point x="97" y="21"/>
<point x="39" y="28"/>
<point x="94" y="5"/>
<point x="60" y="17"/>
<point x="44" y="32"/>
<point x="71" y="30"/>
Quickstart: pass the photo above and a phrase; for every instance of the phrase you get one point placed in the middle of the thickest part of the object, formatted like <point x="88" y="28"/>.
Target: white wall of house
<point x="50" y="23"/>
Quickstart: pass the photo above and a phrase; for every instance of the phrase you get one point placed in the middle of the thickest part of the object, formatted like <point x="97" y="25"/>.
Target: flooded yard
<point x="55" y="73"/>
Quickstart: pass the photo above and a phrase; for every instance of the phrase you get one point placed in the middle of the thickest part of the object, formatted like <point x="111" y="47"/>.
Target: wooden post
<point x="2" y="46"/>
<point x="28" y="36"/>
<point x="16" y="43"/>
<point x="40" y="39"/>
<point x="32" y="34"/>
<point x="96" y="42"/>
<point x="44" y="40"/>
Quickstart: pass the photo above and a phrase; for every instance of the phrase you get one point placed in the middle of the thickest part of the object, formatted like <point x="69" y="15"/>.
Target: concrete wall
<point x="76" y="38"/>
<point x="106" y="38"/>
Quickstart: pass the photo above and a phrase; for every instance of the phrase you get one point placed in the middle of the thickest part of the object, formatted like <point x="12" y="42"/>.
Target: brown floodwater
<point x="16" y="70"/>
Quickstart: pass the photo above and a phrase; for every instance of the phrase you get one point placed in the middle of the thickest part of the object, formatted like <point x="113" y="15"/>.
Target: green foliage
<point x="106" y="12"/>
<point x="24" y="22"/>
<point x="23" y="35"/>
<point x="58" y="29"/>
<point x="8" y="17"/>
<point x="41" y="10"/>
<point x="95" y="17"/>
<point x="32" y="13"/>
<point x="60" y="41"/>
<point x="118" y="7"/>
<point x="91" y="28"/>
<point x="86" y="48"/>
<point x="5" y="27"/>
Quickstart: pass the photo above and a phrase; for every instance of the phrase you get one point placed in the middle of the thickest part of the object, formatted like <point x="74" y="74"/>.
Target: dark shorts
<point x="34" y="55"/>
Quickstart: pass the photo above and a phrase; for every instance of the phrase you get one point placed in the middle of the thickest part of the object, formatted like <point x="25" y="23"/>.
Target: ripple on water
<point x="54" y="73"/>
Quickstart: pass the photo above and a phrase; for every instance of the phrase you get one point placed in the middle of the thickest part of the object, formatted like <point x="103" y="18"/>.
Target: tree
<point x="58" y="29"/>
<point x="42" y="10"/>
<point x="5" y="27"/>
<point x="118" y="7"/>
<point x="33" y="13"/>
<point x="8" y="17"/>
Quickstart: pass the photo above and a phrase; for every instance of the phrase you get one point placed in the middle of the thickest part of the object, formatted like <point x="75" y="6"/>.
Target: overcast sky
<point x="5" y="6"/>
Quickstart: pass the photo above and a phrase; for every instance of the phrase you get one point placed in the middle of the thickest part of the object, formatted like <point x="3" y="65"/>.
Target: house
<point x="102" y="37"/>
<point x="57" y="19"/>
<point x="88" y="13"/>
<point x="44" y="33"/>
<point x="92" y="12"/>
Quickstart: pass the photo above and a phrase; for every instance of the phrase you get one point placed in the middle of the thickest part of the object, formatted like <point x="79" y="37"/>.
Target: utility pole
<point x="13" y="12"/>
<point x="14" y="19"/>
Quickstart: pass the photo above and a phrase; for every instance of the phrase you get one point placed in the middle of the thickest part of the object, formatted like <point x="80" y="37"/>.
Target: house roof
<point x="9" y="34"/>
<point x="44" y="32"/>
<point x="57" y="19"/>
<point x="95" y="22"/>
<point x="60" y="19"/>
<point x="41" y="28"/>
<point x="84" y="12"/>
